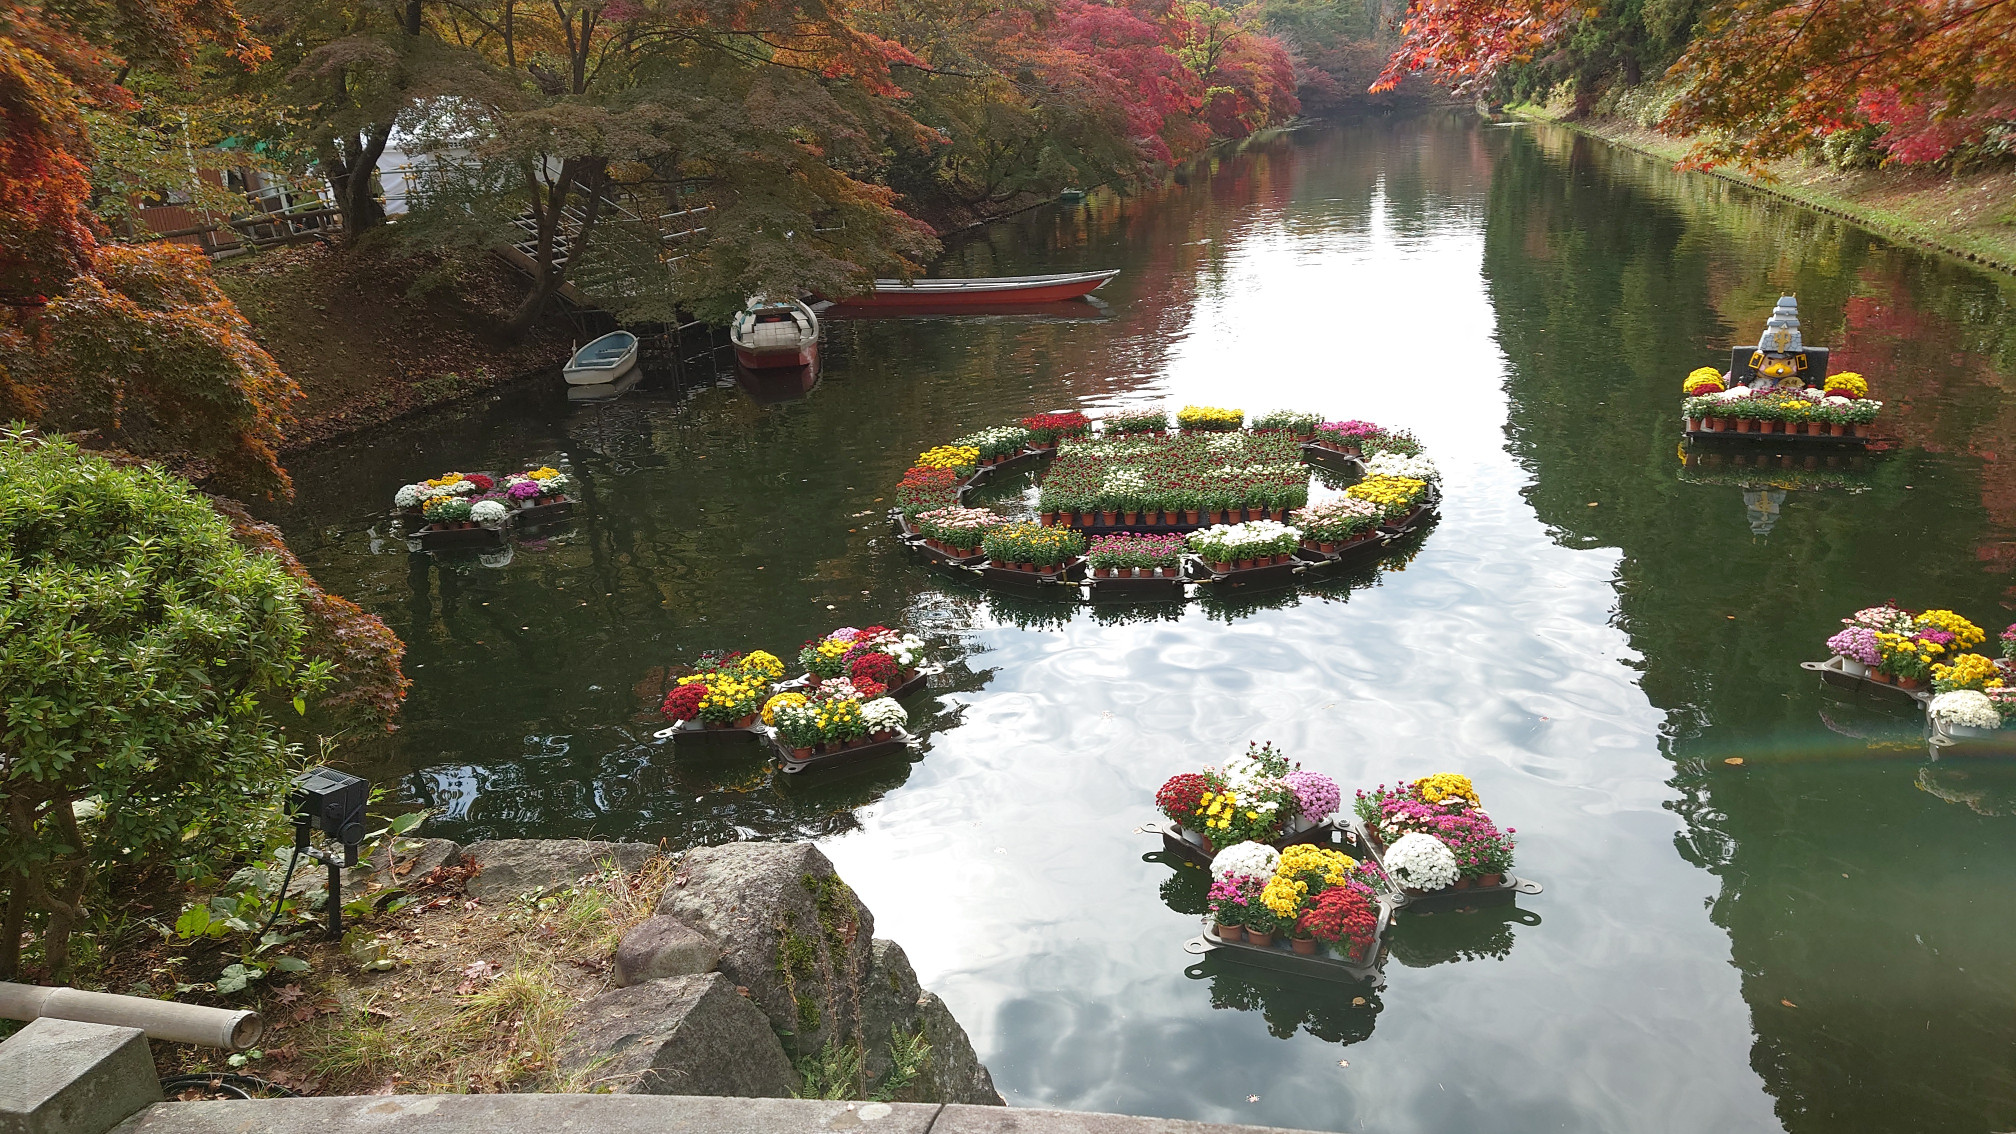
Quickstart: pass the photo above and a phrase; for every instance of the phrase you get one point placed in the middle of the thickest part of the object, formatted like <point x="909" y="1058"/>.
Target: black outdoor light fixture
<point x="334" y="802"/>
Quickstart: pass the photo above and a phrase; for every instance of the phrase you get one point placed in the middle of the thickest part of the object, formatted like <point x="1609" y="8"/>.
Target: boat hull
<point x="599" y="377"/>
<point x="980" y="292"/>
<point x="778" y="358"/>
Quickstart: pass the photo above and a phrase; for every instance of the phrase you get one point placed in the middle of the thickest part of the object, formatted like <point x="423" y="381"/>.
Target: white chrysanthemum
<point x="463" y="487"/>
<point x="1247" y="860"/>
<point x="553" y="485"/>
<point x="1968" y="707"/>
<point x="908" y="650"/>
<point x="883" y="712"/>
<point x="1421" y="861"/>
<point x="487" y="512"/>
<point x="409" y="496"/>
<point x="1394" y="464"/>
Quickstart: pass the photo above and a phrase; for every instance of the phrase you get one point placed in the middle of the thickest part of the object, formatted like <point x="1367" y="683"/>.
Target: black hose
<point x="280" y="896"/>
<point x="225" y="1086"/>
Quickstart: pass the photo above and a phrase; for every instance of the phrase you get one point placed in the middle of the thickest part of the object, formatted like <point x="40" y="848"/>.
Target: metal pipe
<point x="160" y="1019"/>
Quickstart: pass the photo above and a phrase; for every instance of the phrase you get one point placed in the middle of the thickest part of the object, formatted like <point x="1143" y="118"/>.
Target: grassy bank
<point x="1969" y="215"/>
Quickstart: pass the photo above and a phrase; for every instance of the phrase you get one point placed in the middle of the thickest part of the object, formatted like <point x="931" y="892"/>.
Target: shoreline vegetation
<point x="1969" y="215"/>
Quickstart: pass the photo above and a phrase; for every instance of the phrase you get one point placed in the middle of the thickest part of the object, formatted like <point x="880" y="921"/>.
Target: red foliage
<point x="683" y="703"/>
<point x="1181" y="795"/>
<point x="1461" y="44"/>
<point x="1769" y="77"/>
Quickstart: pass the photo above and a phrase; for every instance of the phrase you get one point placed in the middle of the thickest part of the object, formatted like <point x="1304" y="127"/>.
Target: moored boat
<point x="986" y="290"/>
<point x="772" y="333"/>
<point x="603" y="360"/>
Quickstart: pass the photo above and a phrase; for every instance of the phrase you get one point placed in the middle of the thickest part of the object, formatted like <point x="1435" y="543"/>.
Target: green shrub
<point x="140" y="648"/>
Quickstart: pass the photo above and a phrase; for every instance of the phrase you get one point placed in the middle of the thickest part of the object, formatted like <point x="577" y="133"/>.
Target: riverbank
<point x="371" y="337"/>
<point x="1969" y="215"/>
<point x="747" y="970"/>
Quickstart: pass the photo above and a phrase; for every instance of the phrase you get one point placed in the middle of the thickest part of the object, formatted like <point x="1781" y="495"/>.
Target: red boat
<point x="769" y="334"/>
<point x="986" y="291"/>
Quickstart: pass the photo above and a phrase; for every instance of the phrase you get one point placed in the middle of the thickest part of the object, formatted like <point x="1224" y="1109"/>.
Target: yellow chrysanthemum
<point x="771" y="706"/>
<point x="1304" y="858"/>
<point x="1447" y="785"/>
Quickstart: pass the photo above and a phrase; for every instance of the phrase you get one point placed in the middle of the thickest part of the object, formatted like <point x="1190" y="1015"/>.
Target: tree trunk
<point x="351" y="169"/>
<point x="10" y="928"/>
<point x="548" y="274"/>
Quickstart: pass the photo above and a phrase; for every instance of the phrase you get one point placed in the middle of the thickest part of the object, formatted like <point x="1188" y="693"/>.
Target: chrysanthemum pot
<point x="1490" y="881"/>
<point x="1231" y="933"/>
<point x="1132" y="518"/>
<point x="1910" y="683"/>
<point x="1743" y="424"/>
<point x="1245" y="564"/>
<point x="1836" y="429"/>
<point x="1463" y="882"/>
<point x="1303" y="945"/>
<point x="1109" y="519"/>
<point x="801" y="753"/>
<point x="1190" y="515"/>
<point x="1880" y="677"/>
<point x="1264" y="940"/>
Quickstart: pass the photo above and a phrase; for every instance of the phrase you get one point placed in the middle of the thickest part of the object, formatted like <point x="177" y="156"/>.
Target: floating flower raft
<point x="844" y="708"/>
<point x="1889" y="654"/>
<point x="478" y="509"/>
<point x="1779" y="392"/>
<point x="1140" y="512"/>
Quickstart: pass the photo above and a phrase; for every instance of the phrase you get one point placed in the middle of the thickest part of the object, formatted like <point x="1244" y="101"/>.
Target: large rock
<point x="893" y="1002"/>
<point x="689" y="1035"/>
<point x="955" y="1073"/>
<point x="660" y="947"/>
<point x="518" y="866"/>
<point x="790" y="930"/>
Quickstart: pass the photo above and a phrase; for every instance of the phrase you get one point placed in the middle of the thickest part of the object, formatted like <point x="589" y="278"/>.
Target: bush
<point x="139" y="648"/>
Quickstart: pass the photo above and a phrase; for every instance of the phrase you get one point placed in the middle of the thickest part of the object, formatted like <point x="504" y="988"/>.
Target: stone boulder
<point x="687" y="1035"/>
<point x="660" y="947"/>
<point x="790" y="931"/>
<point x="893" y="1002"/>
<point x="517" y="866"/>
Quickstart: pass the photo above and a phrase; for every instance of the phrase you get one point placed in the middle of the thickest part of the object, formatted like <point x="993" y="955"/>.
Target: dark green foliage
<point x="140" y="646"/>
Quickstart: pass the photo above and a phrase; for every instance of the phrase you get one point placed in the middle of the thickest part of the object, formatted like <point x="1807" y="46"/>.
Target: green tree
<point x="141" y="648"/>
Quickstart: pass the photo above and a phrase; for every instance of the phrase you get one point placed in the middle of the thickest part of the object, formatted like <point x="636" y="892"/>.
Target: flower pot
<point x="747" y="722"/>
<point x="1854" y="431"/>
<point x="1133" y="519"/>
<point x="1490" y="881"/>
<point x="1910" y="683"/>
<point x="1743" y="424"/>
<point x="1816" y="429"/>
<point x="1190" y="515"/>
<point x="1233" y="933"/>
<point x="1109" y="519"/>
<point x="1031" y="567"/>
<point x="1245" y="564"/>
<point x="1105" y="572"/>
<point x="1836" y="429"/>
<point x="1880" y="677"/>
<point x="1219" y="568"/>
<point x="1303" y="945"/>
<point x="1327" y="547"/>
<point x="1255" y="937"/>
<point x="1853" y="668"/>
<point x="1463" y="882"/>
<point x="801" y="753"/>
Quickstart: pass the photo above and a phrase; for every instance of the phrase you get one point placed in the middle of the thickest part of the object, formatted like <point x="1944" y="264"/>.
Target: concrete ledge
<point x="72" y="1077"/>
<point x="630" y="1114"/>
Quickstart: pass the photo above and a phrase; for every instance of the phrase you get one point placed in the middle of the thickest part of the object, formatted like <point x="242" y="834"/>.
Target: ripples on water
<point x="1526" y="303"/>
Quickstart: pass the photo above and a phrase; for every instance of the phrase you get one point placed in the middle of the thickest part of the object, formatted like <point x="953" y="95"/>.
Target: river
<point x="1815" y="938"/>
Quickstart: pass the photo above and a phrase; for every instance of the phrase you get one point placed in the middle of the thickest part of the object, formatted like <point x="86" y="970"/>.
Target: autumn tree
<point x="1768" y="78"/>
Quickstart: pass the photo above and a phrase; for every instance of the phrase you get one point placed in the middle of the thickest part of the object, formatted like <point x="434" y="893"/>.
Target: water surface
<point x="1815" y="939"/>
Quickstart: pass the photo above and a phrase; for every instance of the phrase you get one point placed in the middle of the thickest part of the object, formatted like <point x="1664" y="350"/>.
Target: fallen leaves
<point x="476" y="974"/>
<point x="1788" y="1004"/>
<point x="1735" y="760"/>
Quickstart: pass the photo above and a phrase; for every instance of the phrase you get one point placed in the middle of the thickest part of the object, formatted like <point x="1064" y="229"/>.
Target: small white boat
<point x="770" y="333"/>
<point x="604" y="360"/>
<point x="603" y="391"/>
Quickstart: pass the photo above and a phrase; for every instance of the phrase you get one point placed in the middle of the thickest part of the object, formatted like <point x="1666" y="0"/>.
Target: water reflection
<point x="1586" y="634"/>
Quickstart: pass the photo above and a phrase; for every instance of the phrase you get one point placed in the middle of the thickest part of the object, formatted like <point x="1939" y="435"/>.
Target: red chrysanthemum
<point x="1342" y="915"/>
<point x="482" y="483"/>
<point x="683" y="703"/>
<point x="1181" y="796"/>
<point x="874" y="665"/>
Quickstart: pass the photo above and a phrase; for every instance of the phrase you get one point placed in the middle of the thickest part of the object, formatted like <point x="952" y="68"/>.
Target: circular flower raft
<point x="1139" y="510"/>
